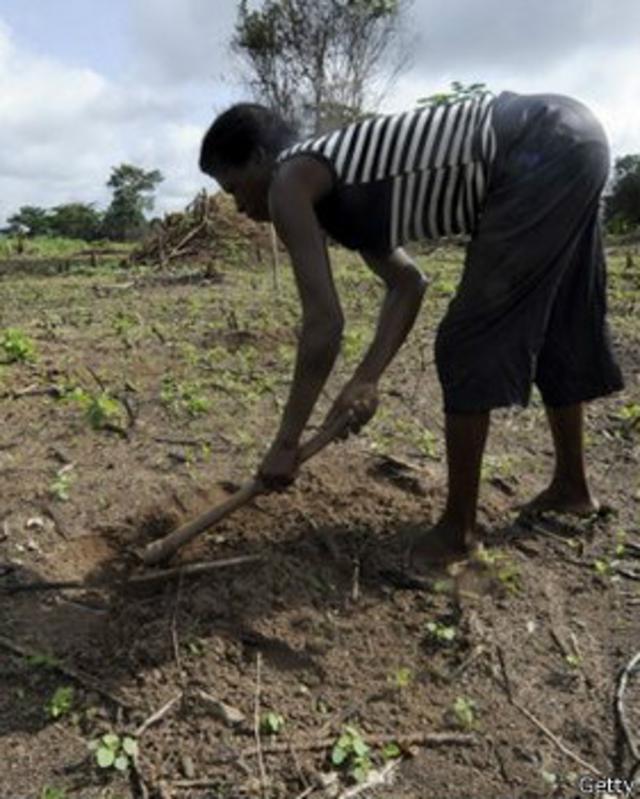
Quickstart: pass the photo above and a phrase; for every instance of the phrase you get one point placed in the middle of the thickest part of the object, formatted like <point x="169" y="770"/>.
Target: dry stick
<point x="174" y="631"/>
<point x="162" y="549"/>
<point x="554" y="738"/>
<point x="188" y="569"/>
<point x="155" y="717"/>
<point x="409" y="739"/>
<point x="274" y="257"/>
<point x="631" y="666"/>
<point x="256" y="728"/>
<point x="375" y="780"/>
<point x="85" y="680"/>
<point x="184" y="241"/>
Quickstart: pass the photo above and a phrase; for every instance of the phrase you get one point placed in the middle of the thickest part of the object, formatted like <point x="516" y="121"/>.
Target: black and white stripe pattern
<point x="437" y="158"/>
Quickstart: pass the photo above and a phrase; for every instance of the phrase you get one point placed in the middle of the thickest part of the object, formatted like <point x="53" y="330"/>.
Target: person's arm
<point x="295" y="189"/>
<point x="405" y="286"/>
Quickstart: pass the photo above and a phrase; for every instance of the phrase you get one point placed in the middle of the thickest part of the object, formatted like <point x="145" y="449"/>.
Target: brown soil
<point x="327" y="620"/>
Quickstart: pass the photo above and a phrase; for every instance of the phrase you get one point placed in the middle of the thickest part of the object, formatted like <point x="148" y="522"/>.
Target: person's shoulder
<point x="306" y="171"/>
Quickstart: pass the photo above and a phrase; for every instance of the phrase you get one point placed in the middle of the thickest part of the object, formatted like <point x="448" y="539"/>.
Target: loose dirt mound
<point x="209" y="228"/>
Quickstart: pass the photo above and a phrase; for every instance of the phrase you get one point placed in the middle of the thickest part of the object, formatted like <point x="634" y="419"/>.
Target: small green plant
<point x="428" y="444"/>
<point x="401" y="677"/>
<point x="271" y="723"/>
<point x="575" y="661"/>
<point x="101" y="410"/>
<point x="603" y="567"/>
<point x="352" y="753"/>
<point x="464" y="713"/>
<point x="16" y="345"/>
<point x="52" y="793"/>
<point x="441" y="633"/>
<point x="60" y="487"/>
<point x="391" y="751"/>
<point x="44" y="660"/>
<point x="114" y="751"/>
<point x="500" y="567"/>
<point x="630" y="415"/>
<point x="60" y="703"/>
<point x="184" y="396"/>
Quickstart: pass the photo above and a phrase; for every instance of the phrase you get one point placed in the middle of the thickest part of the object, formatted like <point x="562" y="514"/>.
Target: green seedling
<point x="630" y="415"/>
<point x="16" y="346"/>
<point x="442" y="634"/>
<point x="114" y="751"/>
<point x="575" y="661"/>
<point x="500" y="568"/>
<point x="60" y="703"/>
<point x="391" y="751"/>
<point x="101" y="410"/>
<point x="271" y="723"/>
<point x="47" y="661"/>
<point x="352" y="753"/>
<point x="60" y="487"/>
<point x="464" y="712"/>
<point x="401" y="678"/>
<point x="603" y="567"/>
<point x="52" y="793"/>
<point x="428" y="444"/>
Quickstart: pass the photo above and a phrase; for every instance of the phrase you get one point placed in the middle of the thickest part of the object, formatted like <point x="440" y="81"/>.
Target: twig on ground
<point x="157" y="716"/>
<point x="403" y="739"/>
<point x="174" y="631"/>
<point x="632" y="666"/>
<point x="256" y="726"/>
<point x="376" y="779"/>
<point x="90" y="683"/>
<point x="188" y="569"/>
<point x="355" y="590"/>
<point x="629" y="575"/>
<point x="545" y="730"/>
<point x="307" y="792"/>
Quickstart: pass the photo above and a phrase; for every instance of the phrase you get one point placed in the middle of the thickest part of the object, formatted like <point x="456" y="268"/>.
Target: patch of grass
<point x="101" y="410"/>
<point x="271" y="723"/>
<point x="16" y="346"/>
<point x="60" y="703"/>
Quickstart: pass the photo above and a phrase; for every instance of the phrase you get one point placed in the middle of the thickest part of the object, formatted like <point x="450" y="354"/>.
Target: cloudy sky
<point x="88" y="84"/>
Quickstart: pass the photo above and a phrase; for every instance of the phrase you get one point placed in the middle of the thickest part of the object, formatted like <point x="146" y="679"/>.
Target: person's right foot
<point x="562" y="500"/>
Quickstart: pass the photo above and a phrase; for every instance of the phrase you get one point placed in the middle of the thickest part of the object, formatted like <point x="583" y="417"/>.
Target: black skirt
<point x="531" y="304"/>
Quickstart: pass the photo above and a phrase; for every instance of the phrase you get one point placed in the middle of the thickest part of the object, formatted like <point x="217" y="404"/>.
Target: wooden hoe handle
<point x="160" y="550"/>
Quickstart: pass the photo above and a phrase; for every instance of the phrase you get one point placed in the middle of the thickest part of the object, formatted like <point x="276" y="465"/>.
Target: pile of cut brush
<point x="208" y="230"/>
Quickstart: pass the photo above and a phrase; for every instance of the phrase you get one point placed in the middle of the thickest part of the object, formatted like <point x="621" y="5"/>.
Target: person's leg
<point x="453" y="534"/>
<point x="568" y="491"/>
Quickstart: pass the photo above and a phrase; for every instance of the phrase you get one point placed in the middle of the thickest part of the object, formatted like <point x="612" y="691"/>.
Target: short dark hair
<point x="236" y="133"/>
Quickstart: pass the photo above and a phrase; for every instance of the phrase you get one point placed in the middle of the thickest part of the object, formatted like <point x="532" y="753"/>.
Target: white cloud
<point x="63" y="128"/>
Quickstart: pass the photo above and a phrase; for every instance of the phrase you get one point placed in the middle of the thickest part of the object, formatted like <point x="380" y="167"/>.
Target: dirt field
<point x="317" y="665"/>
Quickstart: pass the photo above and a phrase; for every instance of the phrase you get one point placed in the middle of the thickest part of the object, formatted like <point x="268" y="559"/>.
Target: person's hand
<point x="279" y="466"/>
<point x="356" y="403"/>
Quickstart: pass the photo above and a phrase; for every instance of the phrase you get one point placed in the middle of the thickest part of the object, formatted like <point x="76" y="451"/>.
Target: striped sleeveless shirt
<point x="418" y="174"/>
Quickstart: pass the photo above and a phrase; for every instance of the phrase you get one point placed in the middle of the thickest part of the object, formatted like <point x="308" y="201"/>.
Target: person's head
<point x="239" y="150"/>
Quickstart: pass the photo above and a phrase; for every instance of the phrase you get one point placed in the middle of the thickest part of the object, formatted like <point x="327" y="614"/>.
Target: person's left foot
<point x="438" y="547"/>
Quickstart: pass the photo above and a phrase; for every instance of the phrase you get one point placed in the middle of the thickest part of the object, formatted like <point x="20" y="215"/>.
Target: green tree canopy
<point x="316" y="61"/>
<point x="133" y="189"/>
<point x="32" y="217"/>
<point x="76" y="221"/>
<point x="622" y="204"/>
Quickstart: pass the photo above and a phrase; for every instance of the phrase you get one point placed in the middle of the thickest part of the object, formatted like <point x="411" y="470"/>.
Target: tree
<point x="32" y="217"/>
<point x="318" y="61"/>
<point x="76" y="220"/>
<point x="132" y="196"/>
<point x="622" y="204"/>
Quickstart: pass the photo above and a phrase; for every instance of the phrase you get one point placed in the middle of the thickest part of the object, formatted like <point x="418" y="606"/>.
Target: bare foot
<point x="438" y="547"/>
<point x="560" y="500"/>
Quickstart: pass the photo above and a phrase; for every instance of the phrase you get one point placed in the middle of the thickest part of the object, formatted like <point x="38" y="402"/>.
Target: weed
<point x="17" y="346"/>
<point x="630" y="416"/>
<point x="401" y="678"/>
<point x="271" y="723"/>
<point x="101" y="410"/>
<point x="187" y="397"/>
<point x="60" y="703"/>
<point x="464" y="713"/>
<point x="47" y="661"/>
<point x="52" y="793"/>
<point x="59" y="488"/>
<point x="114" y="751"/>
<point x="500" y="568"/>
<point x="441" y="634"/>
<point x="352" y="753"/>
